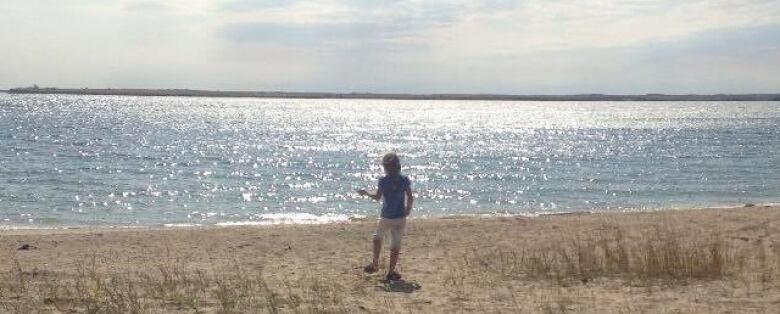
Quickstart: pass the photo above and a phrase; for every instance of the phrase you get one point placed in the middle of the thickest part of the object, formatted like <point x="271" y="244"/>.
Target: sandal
<point x="393" y="276"/>
<point x="369" y="269"/>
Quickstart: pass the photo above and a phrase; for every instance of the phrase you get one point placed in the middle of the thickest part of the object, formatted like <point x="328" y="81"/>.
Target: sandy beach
<point x="684" y="261"/>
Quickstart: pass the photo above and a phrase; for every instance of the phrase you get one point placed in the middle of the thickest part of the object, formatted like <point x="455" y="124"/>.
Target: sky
<point x="403" y="46"/>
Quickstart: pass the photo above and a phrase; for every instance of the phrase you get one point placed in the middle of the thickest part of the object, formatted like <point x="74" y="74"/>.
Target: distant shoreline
<point x="316" y="95"/>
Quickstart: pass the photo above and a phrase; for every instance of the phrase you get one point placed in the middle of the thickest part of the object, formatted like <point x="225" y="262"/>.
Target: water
<point x="134" y="161"/>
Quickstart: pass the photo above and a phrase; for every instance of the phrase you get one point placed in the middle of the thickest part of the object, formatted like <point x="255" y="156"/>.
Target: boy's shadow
<point x="399" y="286"/>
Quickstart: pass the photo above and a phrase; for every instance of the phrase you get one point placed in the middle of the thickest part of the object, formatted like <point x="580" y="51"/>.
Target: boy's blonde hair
<point x="391" y="163"/>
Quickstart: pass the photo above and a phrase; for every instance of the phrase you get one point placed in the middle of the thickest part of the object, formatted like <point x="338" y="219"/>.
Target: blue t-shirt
<point x="393" y="195"/>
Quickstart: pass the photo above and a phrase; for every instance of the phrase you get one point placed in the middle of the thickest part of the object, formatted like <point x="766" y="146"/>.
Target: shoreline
<point x="360" y="219"/>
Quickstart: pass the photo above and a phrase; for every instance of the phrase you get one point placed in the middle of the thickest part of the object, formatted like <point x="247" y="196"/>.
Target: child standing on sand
<point x="395" y="191"/>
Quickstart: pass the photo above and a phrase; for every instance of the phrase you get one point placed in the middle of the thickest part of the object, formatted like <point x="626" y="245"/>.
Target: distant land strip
<point x="315" y="95"/>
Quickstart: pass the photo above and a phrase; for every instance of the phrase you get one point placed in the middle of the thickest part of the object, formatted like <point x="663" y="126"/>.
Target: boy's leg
<point x="379" y="235"/>
<point x="377" y="250"/>
<point x="394" y="252"/>
<point x="396" y="232"/>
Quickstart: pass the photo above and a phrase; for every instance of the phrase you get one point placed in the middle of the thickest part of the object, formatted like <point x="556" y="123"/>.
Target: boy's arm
<point x="375" y="196"/>
<point x="409" y="201"/>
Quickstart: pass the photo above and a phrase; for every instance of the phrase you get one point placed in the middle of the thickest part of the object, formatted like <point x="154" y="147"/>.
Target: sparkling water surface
<point x="136" y="161"/>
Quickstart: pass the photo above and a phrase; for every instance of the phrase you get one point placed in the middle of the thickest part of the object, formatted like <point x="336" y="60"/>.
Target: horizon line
<point x="185" y="92"/>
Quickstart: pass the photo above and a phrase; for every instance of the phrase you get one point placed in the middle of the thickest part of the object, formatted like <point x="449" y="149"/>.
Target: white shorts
<point x="395" y="226"/>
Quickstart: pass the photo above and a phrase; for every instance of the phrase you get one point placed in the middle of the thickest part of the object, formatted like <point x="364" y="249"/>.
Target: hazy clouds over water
<point x="535" y="46"/>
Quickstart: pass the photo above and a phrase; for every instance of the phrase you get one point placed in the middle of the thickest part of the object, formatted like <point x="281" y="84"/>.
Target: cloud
<point x="147" y="7"/>
<point x="577" y="25"/>
<point x="313" y="34"/>
<point x="530" y="46"/>
<point x="249" y="5"/>
<point x="732" y="42"/>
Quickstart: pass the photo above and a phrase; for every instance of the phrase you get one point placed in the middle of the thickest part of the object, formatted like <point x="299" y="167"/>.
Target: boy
<point x="395" y="191"/>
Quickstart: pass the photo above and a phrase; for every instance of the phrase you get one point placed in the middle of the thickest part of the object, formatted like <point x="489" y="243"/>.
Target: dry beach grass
<point x="691" y="261"/>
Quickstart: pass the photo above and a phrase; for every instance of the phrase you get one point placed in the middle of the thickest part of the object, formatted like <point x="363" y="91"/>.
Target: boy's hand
<point x="362" y="192"/>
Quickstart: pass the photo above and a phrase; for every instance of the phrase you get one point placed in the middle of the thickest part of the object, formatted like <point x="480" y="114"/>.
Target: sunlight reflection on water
<point x="169" y="160"/>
